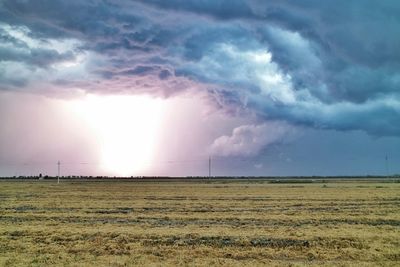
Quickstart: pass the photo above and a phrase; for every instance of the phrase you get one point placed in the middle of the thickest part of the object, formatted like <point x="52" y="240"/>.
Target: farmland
<point x="199" y="223"/>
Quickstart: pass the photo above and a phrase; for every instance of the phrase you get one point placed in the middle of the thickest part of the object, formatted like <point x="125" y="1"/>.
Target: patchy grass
<point x="199" y="223"/>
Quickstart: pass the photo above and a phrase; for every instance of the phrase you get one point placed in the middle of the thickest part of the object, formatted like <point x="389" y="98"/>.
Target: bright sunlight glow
<point x="127" y="128"/>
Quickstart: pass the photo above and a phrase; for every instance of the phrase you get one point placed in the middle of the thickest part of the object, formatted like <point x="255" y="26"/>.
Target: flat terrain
<point x="199" y="223"/>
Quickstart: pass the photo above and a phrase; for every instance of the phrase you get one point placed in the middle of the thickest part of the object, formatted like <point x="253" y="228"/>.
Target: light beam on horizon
<point x="126" y="127"/>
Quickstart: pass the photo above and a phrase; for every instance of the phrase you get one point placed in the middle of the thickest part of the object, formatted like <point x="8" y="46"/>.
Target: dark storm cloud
<point x="223" y="9"/>
<point x="38" y="57"/>
<point x="324" y="64"/>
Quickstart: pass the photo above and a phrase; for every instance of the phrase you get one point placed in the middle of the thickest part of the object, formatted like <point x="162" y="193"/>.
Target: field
<point x="199" y="223"/>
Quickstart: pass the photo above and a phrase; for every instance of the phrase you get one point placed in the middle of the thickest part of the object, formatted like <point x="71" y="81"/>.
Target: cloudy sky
<point x="153" y="87"/>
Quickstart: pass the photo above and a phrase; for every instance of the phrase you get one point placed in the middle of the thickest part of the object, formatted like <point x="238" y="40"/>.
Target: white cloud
<point x="258" y="165"/>
<point x="253" y="66"/>
<point x="249" y="140"/>
<point x="22" y="34"/>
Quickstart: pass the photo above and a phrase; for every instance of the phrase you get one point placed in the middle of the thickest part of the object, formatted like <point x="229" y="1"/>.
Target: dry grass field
<point x="199" y="223"/>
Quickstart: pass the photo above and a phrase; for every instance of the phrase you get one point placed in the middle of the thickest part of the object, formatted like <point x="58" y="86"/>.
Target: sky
<point x="153" y="87"/>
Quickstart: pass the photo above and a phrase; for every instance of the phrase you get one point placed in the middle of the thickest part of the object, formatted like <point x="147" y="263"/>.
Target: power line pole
<point x="387" y="165"/>
<point x="209" y="167"/>
<point x="58" y="172"/>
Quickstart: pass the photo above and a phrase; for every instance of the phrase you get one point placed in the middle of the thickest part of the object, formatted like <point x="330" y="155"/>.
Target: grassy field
<point x="199" y="223"/>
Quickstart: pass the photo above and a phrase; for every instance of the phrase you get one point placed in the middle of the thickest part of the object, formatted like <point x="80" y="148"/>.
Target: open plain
<point x="227" y="222"/>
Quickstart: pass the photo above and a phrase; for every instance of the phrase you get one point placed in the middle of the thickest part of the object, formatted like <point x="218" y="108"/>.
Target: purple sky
<point x="157" y="87"/>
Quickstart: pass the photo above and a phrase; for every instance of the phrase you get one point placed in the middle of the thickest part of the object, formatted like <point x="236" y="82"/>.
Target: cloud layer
<point x="323" y="64"/>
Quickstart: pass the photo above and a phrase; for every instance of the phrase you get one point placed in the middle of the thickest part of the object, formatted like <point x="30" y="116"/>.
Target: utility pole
<point x="209" y="167"/>
<point x="387" y="166"/>
<point x="58" y="172"/>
